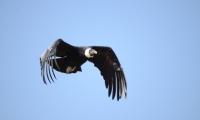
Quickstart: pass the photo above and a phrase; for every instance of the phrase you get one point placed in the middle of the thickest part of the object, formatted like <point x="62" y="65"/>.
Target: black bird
<point x="66" y="58"/>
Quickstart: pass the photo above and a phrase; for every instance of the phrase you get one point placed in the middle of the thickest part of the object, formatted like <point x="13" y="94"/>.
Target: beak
<point x="92" y="51"/>
<point x="95" y="52"/>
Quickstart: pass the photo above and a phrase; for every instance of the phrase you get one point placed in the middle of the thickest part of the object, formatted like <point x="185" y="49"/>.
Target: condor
<point x="66" y="58"/>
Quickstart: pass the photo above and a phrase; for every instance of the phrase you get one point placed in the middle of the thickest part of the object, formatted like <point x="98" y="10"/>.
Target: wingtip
<point x="125" y="95"/>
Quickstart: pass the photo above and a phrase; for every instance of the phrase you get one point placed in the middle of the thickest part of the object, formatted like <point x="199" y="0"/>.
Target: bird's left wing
<point x="58" y="49"/>
<point x="107" y="62"/>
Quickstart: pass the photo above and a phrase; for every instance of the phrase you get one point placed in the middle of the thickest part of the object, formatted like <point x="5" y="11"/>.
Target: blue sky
<point x="157" y="43"/>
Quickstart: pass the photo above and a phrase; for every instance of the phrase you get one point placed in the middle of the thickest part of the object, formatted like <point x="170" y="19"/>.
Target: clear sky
<point x="157" y="43"/>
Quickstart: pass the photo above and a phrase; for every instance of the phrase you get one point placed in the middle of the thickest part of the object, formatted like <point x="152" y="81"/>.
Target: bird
<point x="66" y="58"/>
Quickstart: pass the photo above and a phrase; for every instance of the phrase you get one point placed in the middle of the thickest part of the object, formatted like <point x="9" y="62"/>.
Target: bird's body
<point x="66" y="58"/>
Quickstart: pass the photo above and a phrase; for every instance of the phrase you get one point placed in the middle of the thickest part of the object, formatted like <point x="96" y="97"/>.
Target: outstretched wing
<point x="48" y="59"/>
<point x="107" y="62"/>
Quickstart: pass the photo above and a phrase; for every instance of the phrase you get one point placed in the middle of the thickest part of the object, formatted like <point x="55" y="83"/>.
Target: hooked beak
<point x="92" y="52"/>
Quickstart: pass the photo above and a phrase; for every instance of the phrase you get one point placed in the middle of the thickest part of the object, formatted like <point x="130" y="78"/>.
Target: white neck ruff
<point x="87" y="53"/>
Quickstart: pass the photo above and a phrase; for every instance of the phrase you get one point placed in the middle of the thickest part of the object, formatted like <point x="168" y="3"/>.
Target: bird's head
<point x="92" y="52"/>
<point x="89" y="52"/>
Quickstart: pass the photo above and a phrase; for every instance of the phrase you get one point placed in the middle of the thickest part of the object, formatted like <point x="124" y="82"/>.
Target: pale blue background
<point x="157" y="43"/>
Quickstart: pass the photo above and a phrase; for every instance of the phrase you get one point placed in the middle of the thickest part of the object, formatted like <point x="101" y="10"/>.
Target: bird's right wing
<point x="49" y="61"/>
<point x="107" y="62"/>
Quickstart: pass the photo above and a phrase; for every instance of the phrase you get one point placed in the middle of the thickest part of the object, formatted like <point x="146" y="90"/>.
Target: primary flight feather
<point x="66" y="58"/>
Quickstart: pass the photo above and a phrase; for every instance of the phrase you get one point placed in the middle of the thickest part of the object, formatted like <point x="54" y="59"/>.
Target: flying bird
<point x="66" y="58"/>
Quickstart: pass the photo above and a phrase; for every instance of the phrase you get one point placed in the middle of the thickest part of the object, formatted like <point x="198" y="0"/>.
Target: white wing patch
<point x="47" y="59"/>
